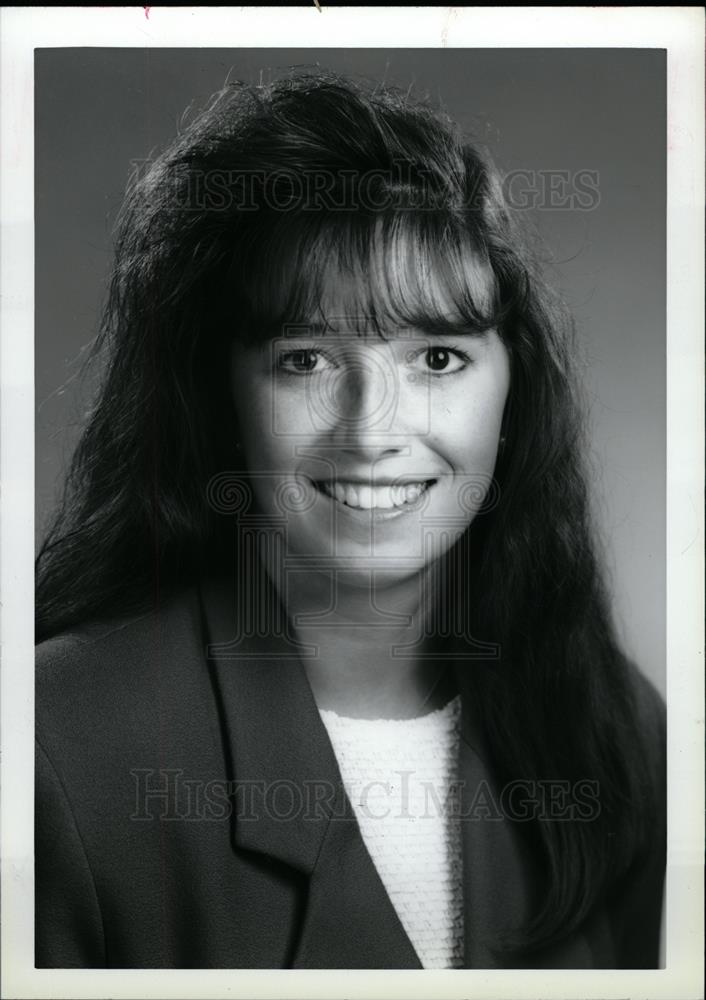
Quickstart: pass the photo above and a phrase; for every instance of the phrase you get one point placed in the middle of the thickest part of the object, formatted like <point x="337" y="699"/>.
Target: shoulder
<point x="121" y="635"/>
<point x="635" y="899"/>
<point x="649" y="703"/>
<point x="647" y="746"/>
<point x="116" y="666"/>
<point x="650" y="715"/>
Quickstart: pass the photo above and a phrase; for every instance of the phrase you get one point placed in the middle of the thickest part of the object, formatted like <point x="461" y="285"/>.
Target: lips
<point x="385" y="496"/>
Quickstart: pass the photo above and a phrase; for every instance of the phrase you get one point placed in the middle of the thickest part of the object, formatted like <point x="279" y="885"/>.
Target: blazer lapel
<point x="350" y="922"/>
<point x="502" y="877"/>
<point x="290" y="803"/>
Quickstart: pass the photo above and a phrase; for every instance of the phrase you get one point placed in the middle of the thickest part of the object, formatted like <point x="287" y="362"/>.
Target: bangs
<point x="369" y="276"/>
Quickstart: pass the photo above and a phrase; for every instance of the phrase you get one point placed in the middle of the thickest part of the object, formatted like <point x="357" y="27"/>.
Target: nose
<point x="366" y="407"/>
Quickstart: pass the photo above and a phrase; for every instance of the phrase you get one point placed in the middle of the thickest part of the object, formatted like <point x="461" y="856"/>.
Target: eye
<point x="303" y="361"/>
<point x="440" y="360"/>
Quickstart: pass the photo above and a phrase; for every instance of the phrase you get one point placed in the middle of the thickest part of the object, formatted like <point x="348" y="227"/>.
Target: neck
<point x="365" y="647"/>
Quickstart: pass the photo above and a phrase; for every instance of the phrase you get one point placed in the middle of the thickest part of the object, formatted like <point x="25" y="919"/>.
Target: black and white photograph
<point x="351" y="478"/>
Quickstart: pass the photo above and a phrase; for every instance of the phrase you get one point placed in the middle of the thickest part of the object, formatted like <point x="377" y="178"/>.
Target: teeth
<point x="374" y="497"/>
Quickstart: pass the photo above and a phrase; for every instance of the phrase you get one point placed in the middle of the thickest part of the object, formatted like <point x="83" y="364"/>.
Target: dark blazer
<point x="190" y="813"/>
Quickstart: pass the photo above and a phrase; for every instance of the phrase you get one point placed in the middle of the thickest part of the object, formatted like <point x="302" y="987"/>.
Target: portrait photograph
<point x="364" y="628"/>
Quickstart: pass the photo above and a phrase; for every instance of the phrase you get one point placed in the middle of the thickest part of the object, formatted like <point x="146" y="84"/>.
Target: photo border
<point x="680" y="32"/>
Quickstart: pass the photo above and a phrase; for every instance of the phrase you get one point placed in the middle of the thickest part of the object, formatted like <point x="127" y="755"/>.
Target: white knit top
<point x="400" y="777"/>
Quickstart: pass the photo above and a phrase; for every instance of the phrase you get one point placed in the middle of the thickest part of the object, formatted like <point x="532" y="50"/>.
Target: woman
<point x="327" y="676"/>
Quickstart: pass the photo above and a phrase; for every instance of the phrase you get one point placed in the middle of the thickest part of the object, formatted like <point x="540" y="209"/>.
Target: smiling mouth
<point x="389" y="496"/>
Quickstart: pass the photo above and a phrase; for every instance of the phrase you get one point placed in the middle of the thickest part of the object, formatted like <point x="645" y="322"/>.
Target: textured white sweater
<point x="400" y="777"/>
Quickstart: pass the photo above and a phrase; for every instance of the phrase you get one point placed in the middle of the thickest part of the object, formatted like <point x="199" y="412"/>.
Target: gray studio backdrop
<point x="582" y="132"/>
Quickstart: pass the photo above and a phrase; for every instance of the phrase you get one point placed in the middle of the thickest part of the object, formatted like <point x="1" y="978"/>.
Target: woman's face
<point x="370" y="454"/>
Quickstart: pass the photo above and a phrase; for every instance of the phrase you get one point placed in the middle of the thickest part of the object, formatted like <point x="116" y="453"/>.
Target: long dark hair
<point x="228" y="235"/>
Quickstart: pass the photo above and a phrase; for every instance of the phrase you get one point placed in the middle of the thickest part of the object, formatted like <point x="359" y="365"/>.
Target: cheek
<point x="271" y="431"/>
<point x="467" y="426"/>
<point x="268" y="411"/>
